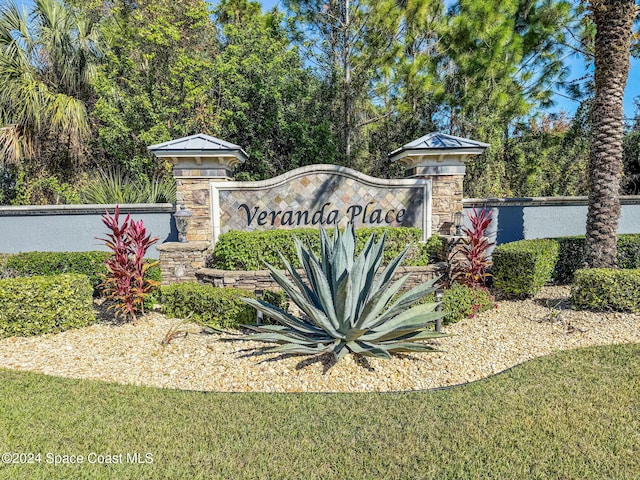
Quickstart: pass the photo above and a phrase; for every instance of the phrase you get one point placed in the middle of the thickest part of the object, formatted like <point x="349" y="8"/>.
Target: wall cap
<point x="89" y="209"/>
<point x="200" y="246"/>
<point x="540" y="201"/>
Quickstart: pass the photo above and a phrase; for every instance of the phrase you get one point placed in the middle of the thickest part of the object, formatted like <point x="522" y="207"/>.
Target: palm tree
<point x="614" y="21"/>
<point x="47" y="59"/>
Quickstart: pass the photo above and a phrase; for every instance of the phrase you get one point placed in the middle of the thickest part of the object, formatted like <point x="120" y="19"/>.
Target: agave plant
<point x="346" y="307"/>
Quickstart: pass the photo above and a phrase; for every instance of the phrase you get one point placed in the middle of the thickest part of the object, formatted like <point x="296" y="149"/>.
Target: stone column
<point x="440" y="158"/>
<point x="197" y="161"/>
<point x="446" y="191"/>
<point x="179" y="262"/>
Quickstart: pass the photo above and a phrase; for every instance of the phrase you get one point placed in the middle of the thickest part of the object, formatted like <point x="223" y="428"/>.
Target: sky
<point x="578" y="70"/>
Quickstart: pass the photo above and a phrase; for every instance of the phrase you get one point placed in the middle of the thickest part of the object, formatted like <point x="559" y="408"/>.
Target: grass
<point x="573" y="415"/>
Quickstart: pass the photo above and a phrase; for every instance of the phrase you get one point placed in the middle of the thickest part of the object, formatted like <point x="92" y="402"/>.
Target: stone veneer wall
<point x="447" y="200"/>
<point x="194" y="194"/>
<point x="179" y="262"/>
<point x="261" y="279"/>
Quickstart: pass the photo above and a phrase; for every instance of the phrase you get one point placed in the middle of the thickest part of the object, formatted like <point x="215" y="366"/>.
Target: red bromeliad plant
<point x="472" y="269"/>
<point x="126" y="268"/>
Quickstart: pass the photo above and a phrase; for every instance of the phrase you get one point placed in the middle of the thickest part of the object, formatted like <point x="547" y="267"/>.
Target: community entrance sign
<point x="320" y="196"/>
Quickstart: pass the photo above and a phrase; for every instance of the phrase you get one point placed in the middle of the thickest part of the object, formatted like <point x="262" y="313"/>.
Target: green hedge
<point x="606" y="289"/>
<point x="572" y="255"/>
<point x="251" y="250"/>
<point x="213" y="306"/>
<point x="521" y="268"/>
<point x="90" y="264"/>
<point x="462" y="301"/>
<point x="45" y="304"/>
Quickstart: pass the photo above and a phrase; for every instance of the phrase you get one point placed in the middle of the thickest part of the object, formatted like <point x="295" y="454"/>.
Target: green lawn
<point x="574" y="415"/>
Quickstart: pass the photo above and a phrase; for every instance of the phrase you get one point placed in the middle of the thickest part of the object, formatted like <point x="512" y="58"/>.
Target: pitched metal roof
<point x="440" y="141"/>
<point x="200" y="144"/>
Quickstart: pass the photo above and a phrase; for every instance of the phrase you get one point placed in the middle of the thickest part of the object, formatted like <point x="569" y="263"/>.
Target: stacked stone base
<point x="179" y="262"/>
<point x="260" y="280"/>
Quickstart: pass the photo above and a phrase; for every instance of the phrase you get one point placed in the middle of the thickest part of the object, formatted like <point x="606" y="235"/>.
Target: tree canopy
<point x="88" y="85"/>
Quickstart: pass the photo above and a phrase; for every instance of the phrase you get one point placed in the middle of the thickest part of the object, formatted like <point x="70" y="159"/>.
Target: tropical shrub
<point x="127" y="281"/>
<point x="211" y="306"/>
<point x="606" y="289"/>
<point x="45" y="304"/>
<point x="117" y="187"/>
<point x="251" y="250"/>
<point x="470" y="262"/>
<point x="345" y="307"/>
<point x="521" y="268"/>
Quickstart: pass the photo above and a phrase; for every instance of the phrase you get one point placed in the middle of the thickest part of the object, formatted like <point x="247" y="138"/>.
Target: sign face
<point x="320" y="196"/>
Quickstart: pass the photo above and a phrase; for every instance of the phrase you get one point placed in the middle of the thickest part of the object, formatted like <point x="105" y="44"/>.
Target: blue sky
<point x="578" y="70"/>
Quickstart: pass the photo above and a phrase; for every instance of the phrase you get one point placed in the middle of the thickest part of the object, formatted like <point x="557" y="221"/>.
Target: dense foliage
<point x="316" y="82"/>
<point x="45" y="304"/>
<point x="90" y="264"/>
<point x="572" y="255"/>
<point x="606" y="289"/>
<point x="213" y="306"/>
<point x="252" y="250"/>
<point x="520" y="269"/>
<point x="462" y="301"/>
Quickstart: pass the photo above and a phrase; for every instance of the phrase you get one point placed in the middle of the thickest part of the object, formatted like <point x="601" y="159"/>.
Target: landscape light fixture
<point x="182" y="217"/>
<point x="458" y="220"/>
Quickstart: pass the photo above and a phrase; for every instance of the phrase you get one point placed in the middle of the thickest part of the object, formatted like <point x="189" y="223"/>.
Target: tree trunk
<point x="613" y="20"/>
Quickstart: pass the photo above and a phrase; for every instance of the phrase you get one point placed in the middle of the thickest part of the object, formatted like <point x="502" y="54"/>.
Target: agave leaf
<point x="390" y="269"/>
<point x="408" y="331"/>
<point x="281" y="338"/>
<point x="373" y="259"/>
<point x="297" y="280"/>
<point x="344" y="304"/>
<point x="408" y="318"/>
<point x="378" y="303"/>
<point x="421" y="334"/>
<point x="317" y="316"/>
<point x="282" y="316"/>
<point x="323" y="290"/>
<point x="410" y="347"/>
<point x="300" y="349"/>
<point x="371" y="350"/>
<point x="354" y="334"/>
<point x="407" y="299"/>
<point x="265" y="328"/>
<point x="340" y="351"/>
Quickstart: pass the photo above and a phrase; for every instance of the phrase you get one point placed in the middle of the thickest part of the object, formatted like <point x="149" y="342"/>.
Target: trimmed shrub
<point x="462" y="301"/>
<point x="45" y="304"/>
<point x="606" y="289"/>
<point x="212" y="306"/>
<point x="6" y="272"/>
<point x="572" y="255"/>
<point x="251" y="250"/>
<point x="521" y="268"/>
<point x="90" y="264"/>
<point x="629" y="251"/>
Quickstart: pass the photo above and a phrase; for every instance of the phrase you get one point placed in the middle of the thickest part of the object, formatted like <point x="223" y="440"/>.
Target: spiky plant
<point x="346" y="307"/>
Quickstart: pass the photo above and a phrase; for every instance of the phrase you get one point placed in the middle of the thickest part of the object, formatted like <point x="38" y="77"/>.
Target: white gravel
<point x="493" y="341"/>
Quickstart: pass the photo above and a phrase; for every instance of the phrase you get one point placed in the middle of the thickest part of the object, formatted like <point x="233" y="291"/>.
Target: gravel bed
<point x="476" y="348"/>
